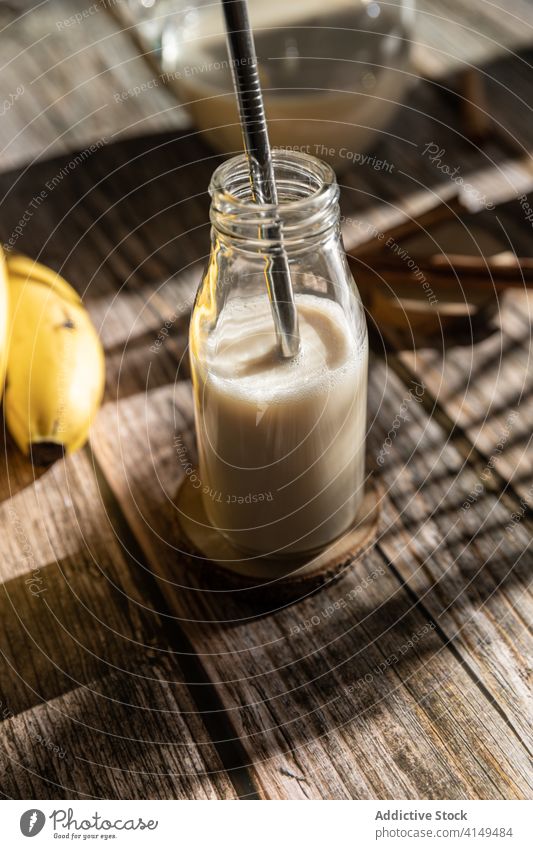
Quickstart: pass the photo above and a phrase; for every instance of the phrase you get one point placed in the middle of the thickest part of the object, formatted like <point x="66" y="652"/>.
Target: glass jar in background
<point x="280" y="442"/>
<point x="332" y="73"/>
<point x="150" y="18"/>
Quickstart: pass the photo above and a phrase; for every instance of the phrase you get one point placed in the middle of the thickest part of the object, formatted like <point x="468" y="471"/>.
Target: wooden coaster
<point x="210" y="552"/>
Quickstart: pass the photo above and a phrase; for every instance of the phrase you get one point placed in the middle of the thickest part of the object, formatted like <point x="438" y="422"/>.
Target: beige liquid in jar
<point x="332" y="75"/>
<point x="281" y="443"/>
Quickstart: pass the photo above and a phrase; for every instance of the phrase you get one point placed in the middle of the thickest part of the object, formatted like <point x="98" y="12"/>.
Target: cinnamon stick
<point x="449" y="274"/>
<point x="474" y="105"/>
<point x="445" y="210"/>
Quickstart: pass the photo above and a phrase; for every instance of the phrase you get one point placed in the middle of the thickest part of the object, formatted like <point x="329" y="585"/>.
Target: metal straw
<point x="257" y="147"/>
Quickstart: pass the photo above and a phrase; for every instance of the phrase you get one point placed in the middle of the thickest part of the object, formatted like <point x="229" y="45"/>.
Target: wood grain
<point x="486" y="391"/>
<point x="74" y="77"/>
<point x="290" y="697"/>
<point x="460" y="34"/>
<point x="95" y="625"/>
<point x="76" y="618"/>
<point x="114" y="738"/>
<point x="133" y="443"/>
<point x="407" y="679"/>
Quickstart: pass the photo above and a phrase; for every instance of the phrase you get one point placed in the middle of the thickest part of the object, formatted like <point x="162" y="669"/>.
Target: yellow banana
<point x="19" y="265"/>
<point x="55" y="367"/>
<point x="4" y="319"/>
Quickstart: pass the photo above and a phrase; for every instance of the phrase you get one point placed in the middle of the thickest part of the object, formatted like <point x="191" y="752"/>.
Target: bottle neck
<point x="307" y="212"/>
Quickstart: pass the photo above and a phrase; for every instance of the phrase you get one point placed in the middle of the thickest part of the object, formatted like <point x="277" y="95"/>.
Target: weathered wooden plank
<point x="114" y="738"/>
<point x="461" y="34"/>
<point x="469" y="572"/>
<point x="74" y="613"/>
<point x="486" y="390"/>
<point x="80" y="82"/>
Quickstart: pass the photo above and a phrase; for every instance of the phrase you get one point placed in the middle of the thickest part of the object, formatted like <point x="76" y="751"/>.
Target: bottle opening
<point x="307" y="198"/>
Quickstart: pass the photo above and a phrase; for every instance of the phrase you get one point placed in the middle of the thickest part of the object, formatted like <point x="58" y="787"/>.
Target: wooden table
<point x="125" y="678"/>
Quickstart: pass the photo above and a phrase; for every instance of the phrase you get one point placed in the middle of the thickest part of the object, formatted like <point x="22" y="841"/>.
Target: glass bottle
<point x="280" y="442"/>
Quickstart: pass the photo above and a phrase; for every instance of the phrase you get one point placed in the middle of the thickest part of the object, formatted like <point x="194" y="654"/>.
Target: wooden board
<point x="118" y="737"/>
<point x="206" y="550"/>
<point x="83" y="631"/>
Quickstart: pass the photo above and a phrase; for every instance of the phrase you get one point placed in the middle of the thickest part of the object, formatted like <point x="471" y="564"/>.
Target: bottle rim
<point x="230" y="184"/>
<point x="307" y="205"/>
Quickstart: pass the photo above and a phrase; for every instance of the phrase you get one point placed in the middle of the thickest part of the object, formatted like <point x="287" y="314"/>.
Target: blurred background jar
<point x="333" y="71"/>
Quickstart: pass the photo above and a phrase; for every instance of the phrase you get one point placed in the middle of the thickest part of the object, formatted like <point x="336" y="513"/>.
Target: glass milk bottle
<point x="281" y="442"/>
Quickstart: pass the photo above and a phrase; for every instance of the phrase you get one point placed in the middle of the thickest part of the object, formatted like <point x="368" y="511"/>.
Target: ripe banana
<point x="4" y="319"/>
<point x="19" y="265"/>
<point x="55" y="364"/>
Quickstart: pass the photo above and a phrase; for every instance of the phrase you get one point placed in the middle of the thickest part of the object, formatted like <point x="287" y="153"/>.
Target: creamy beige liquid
<point x="281" y="443"/>
<point x="332" y="76"/>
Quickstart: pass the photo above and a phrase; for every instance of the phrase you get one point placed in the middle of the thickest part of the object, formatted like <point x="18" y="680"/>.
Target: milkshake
<point x="281" y="442"/>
